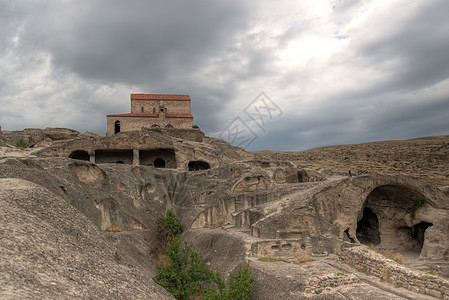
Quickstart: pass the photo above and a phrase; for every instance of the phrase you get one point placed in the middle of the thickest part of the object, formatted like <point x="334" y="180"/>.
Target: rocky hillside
<point x="426" y="157"/>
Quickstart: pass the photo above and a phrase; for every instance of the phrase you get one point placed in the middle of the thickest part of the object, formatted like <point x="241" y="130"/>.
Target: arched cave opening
<point x="385" y="220"/>
<point x="197" y="165"/>
<point x="368" y="228"/>
<point x="80" y="154"/>
<point x="303" y="176"/>
<point x="159" y="163"/>
<point x="418" y="232"/>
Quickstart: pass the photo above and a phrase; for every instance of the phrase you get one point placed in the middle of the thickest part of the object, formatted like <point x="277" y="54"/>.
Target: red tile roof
<point x="152" y="115"/>
<point x="178" y="116"/>
<point x="159" y="97"/>
<point x="134" y="115"/>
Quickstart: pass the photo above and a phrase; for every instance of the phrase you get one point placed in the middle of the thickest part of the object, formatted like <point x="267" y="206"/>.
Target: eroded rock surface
<point x="96" y="200"/>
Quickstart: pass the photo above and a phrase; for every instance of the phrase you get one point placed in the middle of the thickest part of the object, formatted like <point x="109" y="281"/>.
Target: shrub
<point x="195" y="126"/>
<point x="240" y="287"/>
<point x="21" y="144"/>
<point x="169" y="227"/>
<point x="412" y="209"/>
<point x="186" y="272"/>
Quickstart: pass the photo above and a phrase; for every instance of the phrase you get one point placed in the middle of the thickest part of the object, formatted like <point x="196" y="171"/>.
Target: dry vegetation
<point x="426" y="157"/>
<point x="114" y="228"/>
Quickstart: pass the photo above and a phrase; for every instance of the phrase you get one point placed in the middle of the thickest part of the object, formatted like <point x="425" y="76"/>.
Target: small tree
<point x="168" y="227"/>
<point x="240" y="287"/>
<point x="241" y="284"/>
<point x="186" y="272"/>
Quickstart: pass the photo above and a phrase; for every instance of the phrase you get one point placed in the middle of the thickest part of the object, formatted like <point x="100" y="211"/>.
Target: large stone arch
<point x="387" y="219"/>
<point x="340" y="206"/>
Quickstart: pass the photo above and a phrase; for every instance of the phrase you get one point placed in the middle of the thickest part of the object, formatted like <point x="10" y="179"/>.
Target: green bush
<point x="240" y="287"/>
<point x="186" y="272"/>
<point x="169" y="227"/>
<point x="195" y="126"/>
<point x="21" y="144"/>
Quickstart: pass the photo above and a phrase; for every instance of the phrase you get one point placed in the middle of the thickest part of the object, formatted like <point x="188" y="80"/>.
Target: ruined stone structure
<point x="153" y="110"/>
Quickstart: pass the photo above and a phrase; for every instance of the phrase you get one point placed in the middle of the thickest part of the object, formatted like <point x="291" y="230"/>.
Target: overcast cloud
<point x="340" y="71"/>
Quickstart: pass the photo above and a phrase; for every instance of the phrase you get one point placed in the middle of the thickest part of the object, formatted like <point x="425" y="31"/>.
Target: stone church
<point x="153" y="110"/>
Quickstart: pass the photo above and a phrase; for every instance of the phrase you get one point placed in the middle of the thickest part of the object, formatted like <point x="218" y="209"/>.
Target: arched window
<point x="159" y="163"/>
<point x="117" y="127"/>
<point x="141" y="109"/>
<point x="154" y="110"/>
<point x="169" y="125"/>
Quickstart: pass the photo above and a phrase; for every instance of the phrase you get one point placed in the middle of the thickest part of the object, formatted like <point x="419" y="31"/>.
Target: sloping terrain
<point x="426" y="157"/>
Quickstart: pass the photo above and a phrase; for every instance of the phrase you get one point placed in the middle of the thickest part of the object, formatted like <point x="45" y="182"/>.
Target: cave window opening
<point x="120" y="162"/>
<point x="159" y="163"/>
<point x="368" y="228"/>
<point x="348" y="236"/>
<point x="80" y="155"/>
<point x="198" y="165"/>
<point x="418" y="232"/>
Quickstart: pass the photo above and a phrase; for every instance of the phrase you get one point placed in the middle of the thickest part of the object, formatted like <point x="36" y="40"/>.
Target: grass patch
<point x="384" y="274"/>
<point x="304" y="259"/>
<point x="396" y="256"/>
<point x="271" y="259"/>
<point x="435" y="272"/>
<point x="114" y="228"/>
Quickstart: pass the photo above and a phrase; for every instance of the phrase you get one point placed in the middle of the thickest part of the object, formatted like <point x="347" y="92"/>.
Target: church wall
<point x="136" y="123"/>
<point x="173" y="106"/>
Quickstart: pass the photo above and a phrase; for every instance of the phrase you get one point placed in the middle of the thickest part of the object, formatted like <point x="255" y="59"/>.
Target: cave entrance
<point x="80" y="154"/>
<point x="368" y="228"/>
<point x="385" y="220"/>
<point x="114" y="156"/>
<point x="159" y="163"/>
<point x="197" y="165"/>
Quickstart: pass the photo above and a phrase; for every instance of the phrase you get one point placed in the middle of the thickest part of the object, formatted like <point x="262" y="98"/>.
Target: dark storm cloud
<point x="417" y="49"/>
<point x="69" y="63"/>
<point x="137" y="42"/>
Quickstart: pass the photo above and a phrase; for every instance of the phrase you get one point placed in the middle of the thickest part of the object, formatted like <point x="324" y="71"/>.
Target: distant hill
<point x="426" y="157"/>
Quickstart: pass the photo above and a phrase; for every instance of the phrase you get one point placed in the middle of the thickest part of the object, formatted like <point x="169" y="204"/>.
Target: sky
<point x="265" y="75"/>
